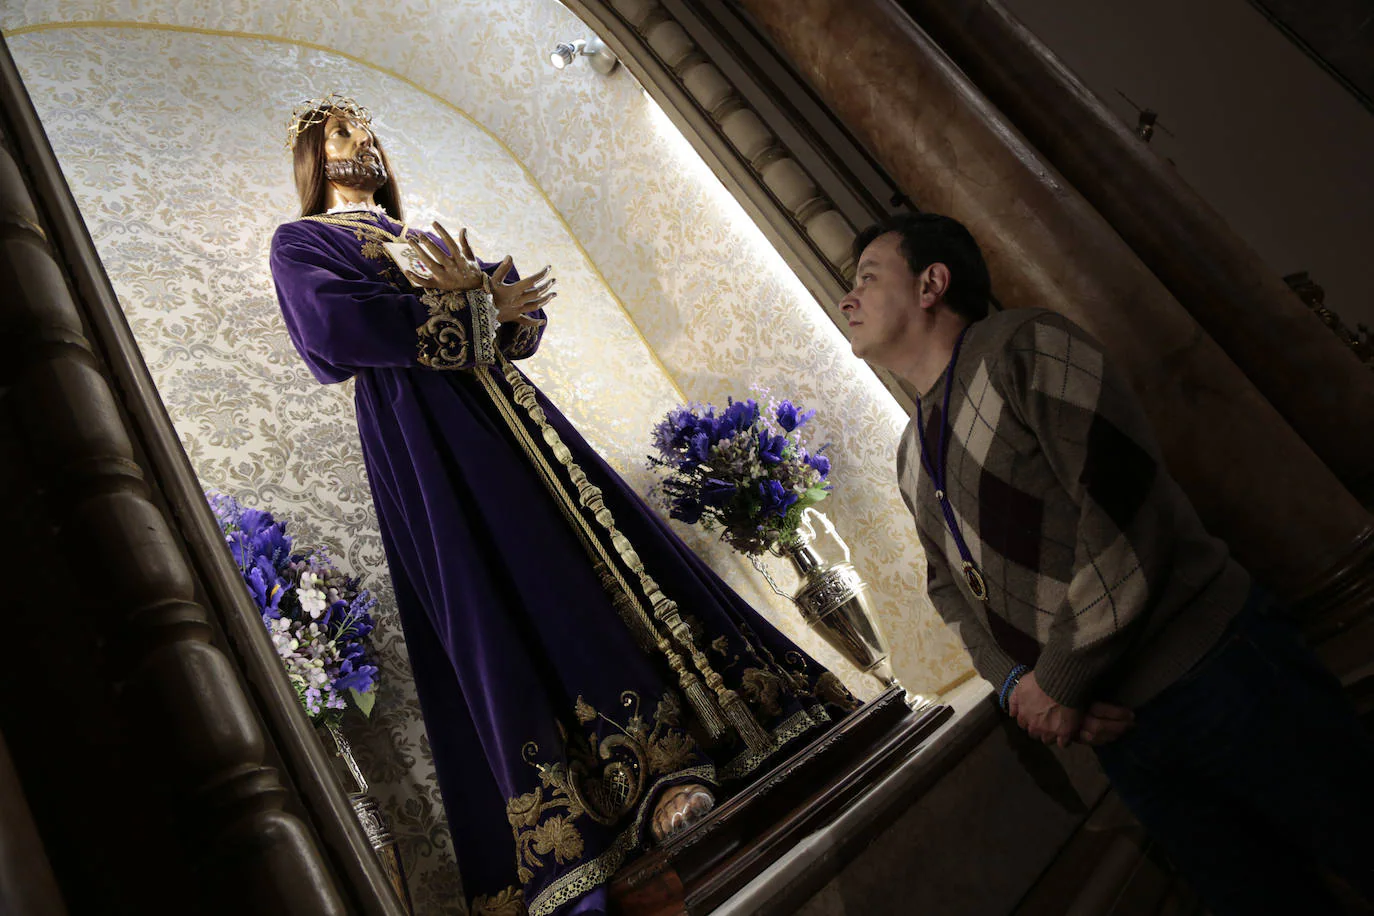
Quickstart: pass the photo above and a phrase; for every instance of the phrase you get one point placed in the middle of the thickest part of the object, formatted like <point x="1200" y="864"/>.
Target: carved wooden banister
<point x="188" y="709"/>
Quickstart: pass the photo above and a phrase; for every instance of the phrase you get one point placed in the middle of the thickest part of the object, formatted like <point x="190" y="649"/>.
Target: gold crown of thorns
<point x="314" y="111"/>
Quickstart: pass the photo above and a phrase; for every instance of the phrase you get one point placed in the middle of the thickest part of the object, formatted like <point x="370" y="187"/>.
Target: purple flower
<point x="675" y="431"/>
<point x="699" y="449"/>
<point x="265" y="587"/>
<point x="820" y="463"/>
<point x="681" y="420"/>
<point x="777" y="499"/>
<point x="770" y="447"/>
<point x="361" y="678"/>
<point x="737" y="416"/>
<point x="788" y="417"/>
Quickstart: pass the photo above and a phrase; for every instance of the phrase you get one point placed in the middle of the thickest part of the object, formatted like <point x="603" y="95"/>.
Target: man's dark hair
<point x="929" y="238"/>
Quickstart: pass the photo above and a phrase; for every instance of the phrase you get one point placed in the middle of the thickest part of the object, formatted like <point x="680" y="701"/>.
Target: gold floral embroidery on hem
<point x="764" y="690"/>
<point x="523" y="342"/>
<point x="830" y="689"/>
<point x="508" y="902"/>
<point x="603" y="779"/>
<point x="443" y="339"/>
<point x="598" y="871"/>
<point x="556" y="835"/>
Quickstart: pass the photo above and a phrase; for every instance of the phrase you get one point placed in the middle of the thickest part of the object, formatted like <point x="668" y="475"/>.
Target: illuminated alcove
<point x="170" y="125"/>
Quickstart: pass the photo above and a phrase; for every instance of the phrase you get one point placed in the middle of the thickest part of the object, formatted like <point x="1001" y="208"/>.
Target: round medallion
<point x="976" y="583"/>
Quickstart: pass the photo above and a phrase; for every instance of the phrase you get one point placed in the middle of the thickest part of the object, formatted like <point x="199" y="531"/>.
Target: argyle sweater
<point x="1099" y="573"/>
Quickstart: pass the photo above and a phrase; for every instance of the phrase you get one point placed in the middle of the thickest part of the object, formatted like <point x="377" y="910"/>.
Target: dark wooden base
<point x="698" y="870"/>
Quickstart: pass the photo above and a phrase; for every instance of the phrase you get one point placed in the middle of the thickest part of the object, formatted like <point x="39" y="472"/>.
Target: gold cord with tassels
<point x="708" y="707"/>
<point x="700" y="699"/>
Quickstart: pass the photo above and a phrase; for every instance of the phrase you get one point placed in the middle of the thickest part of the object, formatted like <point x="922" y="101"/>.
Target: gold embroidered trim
<point x="507" y="902"/>
<point x="764" y="690"/>
<point x="534" y="836"/>
<point x="524" y="341"/>
<point x="442" y="341"/>
<point x="599" y="870"/>
<point x="484" y="325"/>
<point x="604" y="779"/>
<point x="830" y="689"/>
<point x="797" y="724"/>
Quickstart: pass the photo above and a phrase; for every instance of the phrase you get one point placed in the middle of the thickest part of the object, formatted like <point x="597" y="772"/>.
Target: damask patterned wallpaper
<point x="172" y="141"/>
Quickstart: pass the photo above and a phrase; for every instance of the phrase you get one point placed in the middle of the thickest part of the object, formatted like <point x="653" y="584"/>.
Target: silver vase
<point x="833" y="601"/>
<point x="369" y="814"/>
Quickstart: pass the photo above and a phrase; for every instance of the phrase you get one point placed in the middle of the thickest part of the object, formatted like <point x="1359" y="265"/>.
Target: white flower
<point x="280" y="630"/>
<point x="311" y="595"/>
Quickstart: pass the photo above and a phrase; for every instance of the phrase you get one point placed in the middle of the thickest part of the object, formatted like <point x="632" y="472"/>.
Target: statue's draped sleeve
<point x="344" y="316"/>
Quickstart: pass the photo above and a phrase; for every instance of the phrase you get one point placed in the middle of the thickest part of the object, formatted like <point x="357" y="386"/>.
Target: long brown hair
<point x="313" y="189"/>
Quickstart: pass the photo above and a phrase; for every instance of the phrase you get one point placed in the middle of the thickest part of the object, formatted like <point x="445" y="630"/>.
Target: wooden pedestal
<point x="698" y="870"/>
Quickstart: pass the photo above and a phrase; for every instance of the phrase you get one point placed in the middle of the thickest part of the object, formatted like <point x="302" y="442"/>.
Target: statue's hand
<point x="514" y="301"/>
<point x="457" y="271"/>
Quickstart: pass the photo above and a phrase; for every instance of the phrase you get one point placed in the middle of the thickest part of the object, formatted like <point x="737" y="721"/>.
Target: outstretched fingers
<point x="526" y="282"/>
<point x="502" y="270"/>
<point x="463" y="245"/>
<point x="453" y="247"/>
<point x="538" y="302"/>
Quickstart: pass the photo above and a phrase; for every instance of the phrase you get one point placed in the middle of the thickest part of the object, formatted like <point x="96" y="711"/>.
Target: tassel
<point x="755" y="738"/>
<point x="707" y="709"/>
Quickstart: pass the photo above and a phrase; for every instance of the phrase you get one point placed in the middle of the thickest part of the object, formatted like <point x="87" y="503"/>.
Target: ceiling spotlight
<point x="598" y="55"/>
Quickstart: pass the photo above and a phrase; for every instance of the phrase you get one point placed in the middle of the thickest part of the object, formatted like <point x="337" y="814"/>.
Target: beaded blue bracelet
<point x="1009" y="685"/>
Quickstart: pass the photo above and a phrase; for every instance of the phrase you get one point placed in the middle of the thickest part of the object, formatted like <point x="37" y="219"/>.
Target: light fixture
<point x="600" y="57"/>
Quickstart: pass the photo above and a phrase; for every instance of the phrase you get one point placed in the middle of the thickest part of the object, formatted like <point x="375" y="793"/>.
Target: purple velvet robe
<point x="522" y="662"/>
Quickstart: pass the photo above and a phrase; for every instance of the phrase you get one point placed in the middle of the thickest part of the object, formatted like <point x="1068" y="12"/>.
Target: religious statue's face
<point x="350" y="155"/>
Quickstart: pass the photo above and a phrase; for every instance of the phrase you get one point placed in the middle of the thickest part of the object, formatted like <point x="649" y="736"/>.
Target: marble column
<point x="1313" y="379"/>
<point x="1253" y="479"/>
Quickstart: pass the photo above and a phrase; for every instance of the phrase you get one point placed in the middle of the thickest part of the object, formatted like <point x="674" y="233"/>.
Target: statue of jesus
<point x="588" y="684"/>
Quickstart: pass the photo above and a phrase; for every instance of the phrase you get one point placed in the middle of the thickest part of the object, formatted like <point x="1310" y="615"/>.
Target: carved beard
<point x="364" y="172"/>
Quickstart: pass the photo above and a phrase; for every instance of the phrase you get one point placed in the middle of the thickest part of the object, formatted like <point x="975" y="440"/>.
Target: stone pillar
<point x="1313" y="379"/>
<point x="1252" y="478"/>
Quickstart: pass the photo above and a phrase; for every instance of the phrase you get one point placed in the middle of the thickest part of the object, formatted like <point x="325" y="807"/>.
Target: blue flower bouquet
<point x="743" y="470"/>
<point x="318" y="618"/>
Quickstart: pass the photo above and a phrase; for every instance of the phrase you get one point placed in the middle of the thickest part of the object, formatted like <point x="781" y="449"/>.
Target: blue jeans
<point x="1251" y="772"/>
